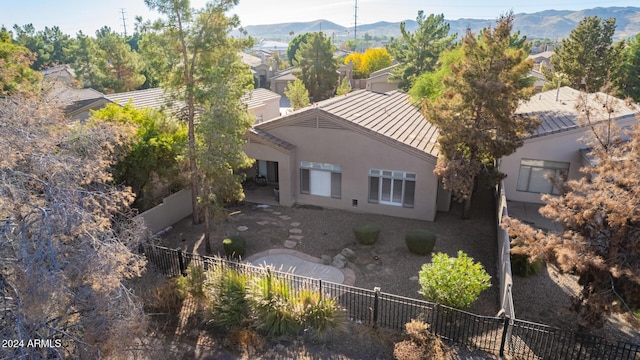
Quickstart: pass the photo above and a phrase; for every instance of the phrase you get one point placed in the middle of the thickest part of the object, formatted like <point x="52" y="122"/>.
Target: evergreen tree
<point x="317" y="67"/>
<point x="298" y="94"/>
<point x="627" y="77"/>
<point x="474" y="115"/>
<point x="15" y="67"/>
<point x="418" y="52"/>
<point x="293" y="47"/>
<point x="344" y="87"/>
<point x="588" y="57"/>
<point x="123" y="66"/>
<point x="205" y="71"/>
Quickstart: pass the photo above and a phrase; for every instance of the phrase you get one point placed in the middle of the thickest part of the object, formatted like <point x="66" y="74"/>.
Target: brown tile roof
<point x="562" y="115"/>
<point x="272" y="139"/>
<point x="390" y="115"/>
<point x="153" y="98"/>
<point x="258" y="97"/>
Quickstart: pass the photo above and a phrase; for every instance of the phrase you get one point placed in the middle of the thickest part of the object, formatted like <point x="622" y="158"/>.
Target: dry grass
<point x="421" y="344"/>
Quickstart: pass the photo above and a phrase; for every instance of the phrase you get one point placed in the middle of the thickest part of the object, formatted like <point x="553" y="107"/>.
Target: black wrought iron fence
<point x="499" y="335"/>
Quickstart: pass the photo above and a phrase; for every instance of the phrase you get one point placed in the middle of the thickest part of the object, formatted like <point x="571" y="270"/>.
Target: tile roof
<point x="391" y="115"/>
<point x="272" y="139"/>
<point x="258" y="97"/>
<point x="250" y="60"/>
<point x="285" y="75"/>
<point x="562" y="115"/>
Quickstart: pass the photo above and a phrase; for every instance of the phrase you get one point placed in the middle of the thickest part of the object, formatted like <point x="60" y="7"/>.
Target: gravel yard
<point x="387" y="263"/>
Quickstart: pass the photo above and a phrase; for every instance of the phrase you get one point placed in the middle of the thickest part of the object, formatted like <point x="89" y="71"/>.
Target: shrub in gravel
<point x="367" y="233"/>
<point x="234" y="246"/>
<point x="422" y="344"/>
<point x="455" y="282"/>
<point x="420" y="241"/>
<point x="521" y="265"/>
<point x="230" y="307"/>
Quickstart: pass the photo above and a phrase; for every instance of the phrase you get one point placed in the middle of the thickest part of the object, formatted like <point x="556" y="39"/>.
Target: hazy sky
<point x="90" y="15"/>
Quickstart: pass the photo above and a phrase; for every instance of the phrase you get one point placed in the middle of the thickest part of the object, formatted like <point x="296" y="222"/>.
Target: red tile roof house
<point x="556" y="146"/>
<point x="366" y="151"/>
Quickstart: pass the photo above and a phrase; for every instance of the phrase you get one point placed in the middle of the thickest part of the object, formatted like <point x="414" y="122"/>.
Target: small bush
<point x="521" y="265"/>
<point x="230" y="306"/>
<point x="420" y="241"/>
<point x="234" y="246"/>
<point x="320" y="316"/>
<point x="366" y="234"/>
<point x="165" y="298"/>
<point x="193" y="283"/>
<point x="422" y="344"/>
<point x="455" y="282"/>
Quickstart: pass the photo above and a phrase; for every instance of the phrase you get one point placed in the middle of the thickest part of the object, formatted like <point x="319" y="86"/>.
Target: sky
<point x="90" y="15"/>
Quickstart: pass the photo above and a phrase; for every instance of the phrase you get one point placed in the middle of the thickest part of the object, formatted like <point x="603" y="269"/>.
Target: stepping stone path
<point x="263" y="222"/>
<point x="276" y="212"/>
<point x="285" y="217"/>
<point x="295" y="231"/>
<point x="295" y="224"/>
<point x="243" y="228"/>
<point x="295" y="237"/>
<point x="289" y="244"/>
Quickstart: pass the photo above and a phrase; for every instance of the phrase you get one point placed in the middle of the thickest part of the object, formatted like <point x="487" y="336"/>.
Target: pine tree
<point x="418" y="52"/>
<point x="588" y="56"/>
<point x="205" y="71"/>
<point x="475" y="115"/>
<point x="298" y="94"/>
<point x="317" y="67"/>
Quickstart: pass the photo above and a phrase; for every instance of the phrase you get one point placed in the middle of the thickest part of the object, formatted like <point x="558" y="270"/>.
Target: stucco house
<point x="280" y="80"/>
<point x="262" y="103"/>
<point x="366" y="151"/>
<point x="555" y="147"/>
<point x="379" y="80"/>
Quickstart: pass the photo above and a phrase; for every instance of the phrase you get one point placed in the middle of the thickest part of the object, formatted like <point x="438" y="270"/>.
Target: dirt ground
<point x="387" y="263"/>
<point x="543" y="298"/>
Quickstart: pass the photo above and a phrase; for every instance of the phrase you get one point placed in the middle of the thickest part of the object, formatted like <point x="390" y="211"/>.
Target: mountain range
<point x="549" y="24"/>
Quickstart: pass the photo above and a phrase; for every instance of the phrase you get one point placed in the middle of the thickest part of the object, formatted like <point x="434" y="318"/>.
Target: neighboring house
<point x="60" y="86"/>
<point x="366" y="151"/>
<point x="379" y="80"/>
<point x="261" y="68"/>
<point x="262" y="103"/>
<point x="272" y="47"/>
<point x="541" y="60"/>
<point x="280" y="81"/>
<point x="539" y="82"/>
<point x="555" y="147"/>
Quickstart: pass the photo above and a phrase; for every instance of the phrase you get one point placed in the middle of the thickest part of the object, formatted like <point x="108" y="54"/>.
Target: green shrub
<point x="521" y="265"/>
<point x="230" y="307"/>
<point x="193" y="283"/>
<point x="455" y="282"/>
<point x="366" y="234"/>
<point x="320" y="316"/>
<point x="420" y="241"/>
<point x="234" y="246"/>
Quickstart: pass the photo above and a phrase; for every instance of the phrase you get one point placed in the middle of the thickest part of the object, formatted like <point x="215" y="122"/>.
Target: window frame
<point x="379" y="179"/>
<point x="335" y="177"/>
<point x="557" y="168"/>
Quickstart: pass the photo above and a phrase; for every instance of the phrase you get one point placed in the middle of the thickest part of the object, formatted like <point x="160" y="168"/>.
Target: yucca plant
<point x="230" y="306"/>
<point x="320" y="316"/>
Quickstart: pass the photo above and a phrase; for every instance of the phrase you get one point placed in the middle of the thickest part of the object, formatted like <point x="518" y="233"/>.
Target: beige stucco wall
<point x="356" y="153"/>
<point x="564" y="146"/>
<point x="173" y="209"/>
<point x="263" y="152"/>
<point x="267" y="111"/>
<point x="381" y="84"/>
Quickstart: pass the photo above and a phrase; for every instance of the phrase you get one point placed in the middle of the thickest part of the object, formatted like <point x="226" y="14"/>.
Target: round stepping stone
<point x="296" y="237"/>
<point x="242" y="228"/>
<point x="277" y="212"/>
<point x="295" y="224"/>
<point x="295" y="231"/>
<point x="263" y="222"/>
<point x="285" y="217"/>
<point x="290" y="244"/>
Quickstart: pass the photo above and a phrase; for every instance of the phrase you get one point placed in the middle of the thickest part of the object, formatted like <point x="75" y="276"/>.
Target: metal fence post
<point x="320" y="288"/>
<point x="505" y="332"/>
<point x="376" y="303"/>
<point x="183" y="269"/>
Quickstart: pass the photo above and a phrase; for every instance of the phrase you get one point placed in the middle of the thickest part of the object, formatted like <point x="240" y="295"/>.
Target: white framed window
<point x="321" y="179"/>
<point x="391" y="187"/>
<point x="535" y="175"/>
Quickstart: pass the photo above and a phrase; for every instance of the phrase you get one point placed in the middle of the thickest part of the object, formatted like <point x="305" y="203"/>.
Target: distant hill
<point x="552" y="24"/>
